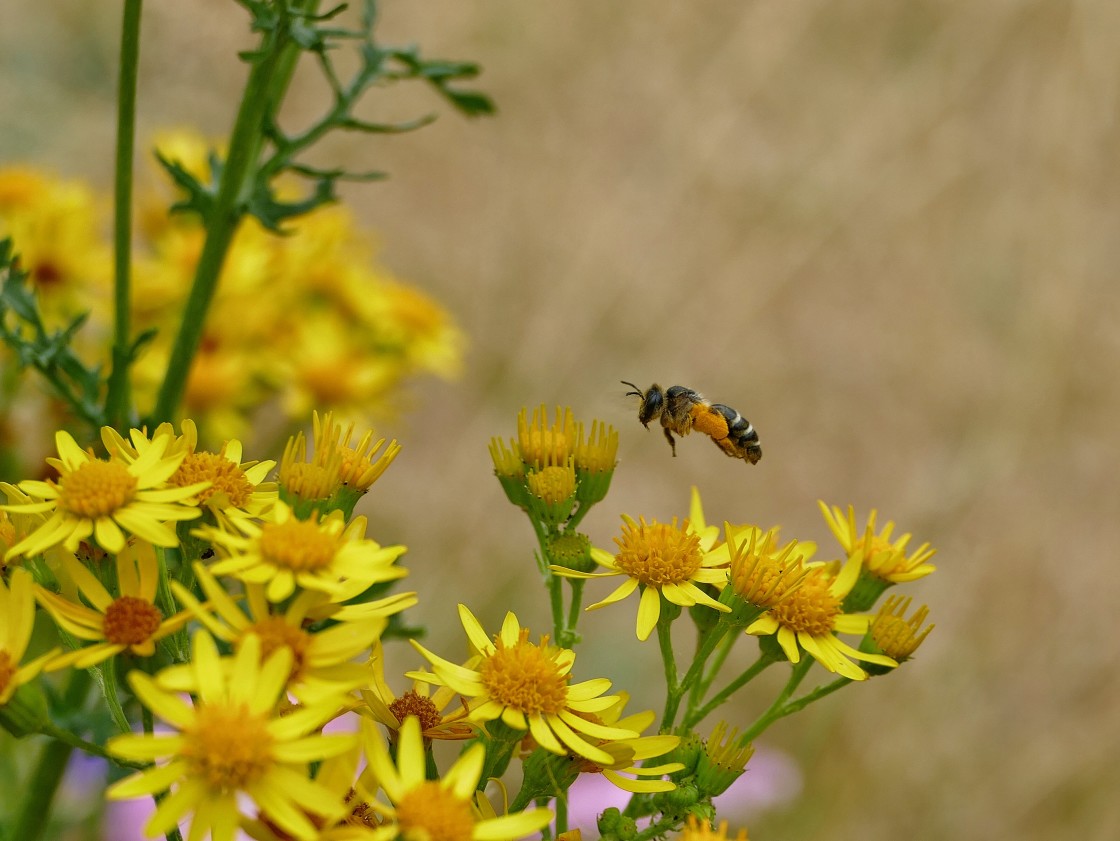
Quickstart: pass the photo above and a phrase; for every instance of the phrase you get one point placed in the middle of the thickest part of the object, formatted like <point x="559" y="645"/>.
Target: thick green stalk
<point x="694" y="717"/>
<point x="35" y="805"/>
<point x="673" y="689"/>
<point x="221" y="225"/>
<point x="118" y="398"/>
<point x="778" y="708"/>
<point x="264" y="91"/>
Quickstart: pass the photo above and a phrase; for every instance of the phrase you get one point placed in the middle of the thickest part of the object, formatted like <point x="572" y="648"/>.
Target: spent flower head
<point x="380" y="703"/>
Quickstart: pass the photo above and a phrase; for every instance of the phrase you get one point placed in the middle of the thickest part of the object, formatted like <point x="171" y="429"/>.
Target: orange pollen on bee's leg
<point x="710" y="422"/>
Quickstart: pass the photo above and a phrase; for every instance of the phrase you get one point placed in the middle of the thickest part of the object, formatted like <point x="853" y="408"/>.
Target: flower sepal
<point x="26" y="711"/>
<point x="866" y="592"/>
<point x="546" y="775"/>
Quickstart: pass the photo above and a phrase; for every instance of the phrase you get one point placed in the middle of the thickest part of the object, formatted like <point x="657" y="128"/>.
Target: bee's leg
<point x="672" y="441"/>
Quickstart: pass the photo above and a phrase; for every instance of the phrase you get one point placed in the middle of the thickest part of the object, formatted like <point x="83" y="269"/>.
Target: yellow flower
<point x="420" y="809"/>
<point x="106" y="499"/>
<point x="54" y="225"/>
<point x="527" y="687"/>
<point x="380" y="704"/>
<point x="17" y="615"/>
<point x="231" y="742"/>
<point x="232" y="488"/>
<point x="130" y="621"/>
<point x="882" y="558"/>
<point x="809" y="617"/>
<point x="322" y="660"/>
<point x="541" y="445"/>
<point x="663" y="560"/>
<point x="315" y="554"/>
<point x="360" y="465"/>
<point x="628" y="755"/>
<point x="695" y="830"/>
<point x="896" y="636"/>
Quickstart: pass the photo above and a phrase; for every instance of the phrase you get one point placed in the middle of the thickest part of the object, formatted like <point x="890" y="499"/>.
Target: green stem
<point x="268" y="81"/>
<point x="117" y="400"/>
<point x="576" y="605"/>
<point x="693" y="677"/>
<point x="800" y="704"/>
<point x="673" y="690"/>
<point x="35" y="805"/>
<point x="109" y="685"/>
<point x="700" y="688"/>
<point x="694" y="717"/>
<point x="777" y="709"/>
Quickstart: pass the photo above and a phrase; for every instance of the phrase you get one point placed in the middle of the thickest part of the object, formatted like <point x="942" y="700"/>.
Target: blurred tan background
<point x="887" y="232"/>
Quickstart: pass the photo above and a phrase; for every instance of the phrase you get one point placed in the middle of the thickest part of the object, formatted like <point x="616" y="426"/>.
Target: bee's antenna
<point x="636" y="390"/>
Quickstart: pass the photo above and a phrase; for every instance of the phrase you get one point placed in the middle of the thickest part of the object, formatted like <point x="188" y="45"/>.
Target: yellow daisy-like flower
<point x="527" y="687"/>
<point x="882" y="558"/>
<point x="420" y="809"/>
<point x="228" y="743"/>
<point x="106" y="499"/>
<point x="390" y="710"/>
<point x="662" y="560"/>
<point x="315" y="554"/>
<point x="629" y="754"/>
<point x="17" y="616"/>
<point x="14" y="527"/>
<point x="232" y="488"/>
<point x="322" y="661"/>
<point x="129" y="621"/>
<point x="810" y="616"/>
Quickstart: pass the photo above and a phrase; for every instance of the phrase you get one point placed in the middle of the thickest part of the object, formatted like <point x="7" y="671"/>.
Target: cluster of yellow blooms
<point x="255" y="612"/>
<point x="304" y="320"/>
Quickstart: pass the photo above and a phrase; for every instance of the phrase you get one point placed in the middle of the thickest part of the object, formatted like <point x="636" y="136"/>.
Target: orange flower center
<point x="433" y="813"/>
<point x="658" y="553"/>
<point x="228" y="748"/>
<point x="413" y="703"/>
<point x="131" y="621"/>
<point x="298" y="545"/>
<point x="96" y="489"/>
<point x="811" y="609"/>
<point x="224" y="476"/>
<point x="525" y="677"/>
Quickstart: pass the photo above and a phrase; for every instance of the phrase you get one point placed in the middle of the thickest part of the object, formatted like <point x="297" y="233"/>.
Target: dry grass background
<point x="887" y="232"/>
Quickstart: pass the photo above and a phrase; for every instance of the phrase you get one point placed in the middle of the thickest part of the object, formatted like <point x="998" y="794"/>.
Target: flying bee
<point x="682" y="410"/>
